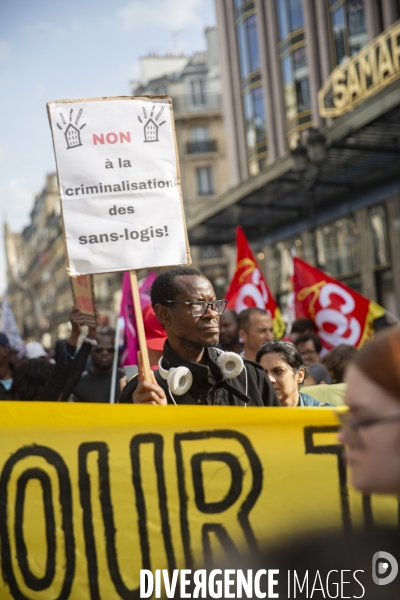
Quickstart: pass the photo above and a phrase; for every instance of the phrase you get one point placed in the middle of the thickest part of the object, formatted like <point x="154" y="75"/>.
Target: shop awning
<point x="362" y="164"/>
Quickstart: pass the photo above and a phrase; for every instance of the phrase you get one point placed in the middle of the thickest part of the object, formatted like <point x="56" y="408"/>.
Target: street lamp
<point x="316" y="147"/>
<point x="314" y="153"/>
<point x="300" y="161"/>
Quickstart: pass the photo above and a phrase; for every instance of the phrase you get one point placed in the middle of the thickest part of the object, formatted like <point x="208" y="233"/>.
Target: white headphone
<point x="180" y="379"/>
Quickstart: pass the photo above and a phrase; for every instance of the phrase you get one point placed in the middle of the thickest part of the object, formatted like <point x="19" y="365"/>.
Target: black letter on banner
<point x="236" y="483"/>
<point x="336" y="449"/>
<point x="158" y="442"/>
<point x="36" y="584"/>
<point x="33" y="582"/>
<point x="107" y="512"/>
<point x="233" y="494"/>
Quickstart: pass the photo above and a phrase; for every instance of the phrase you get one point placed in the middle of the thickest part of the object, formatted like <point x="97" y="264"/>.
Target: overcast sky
<point x="52" y="50"/>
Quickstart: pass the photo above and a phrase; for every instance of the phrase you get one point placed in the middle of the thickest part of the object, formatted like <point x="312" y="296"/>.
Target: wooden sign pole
<point x="140" y="325"/>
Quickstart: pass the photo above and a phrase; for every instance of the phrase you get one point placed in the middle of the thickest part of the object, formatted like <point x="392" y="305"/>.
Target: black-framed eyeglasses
<point x="109" y="349"/>
<point x="198" y="308"/>
<point x="352" y="426"/>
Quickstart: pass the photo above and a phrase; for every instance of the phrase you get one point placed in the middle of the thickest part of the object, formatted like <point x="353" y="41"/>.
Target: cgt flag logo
<point x="248" y="287"/>
<point x="381" y="561"/>
<point x="342" y="315"/>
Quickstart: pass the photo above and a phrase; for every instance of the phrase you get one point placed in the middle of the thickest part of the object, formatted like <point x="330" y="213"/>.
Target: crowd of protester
<point x="80" y="369"/>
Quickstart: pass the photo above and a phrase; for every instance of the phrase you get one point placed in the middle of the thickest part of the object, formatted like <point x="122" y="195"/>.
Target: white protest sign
<point x="119" y="183"/>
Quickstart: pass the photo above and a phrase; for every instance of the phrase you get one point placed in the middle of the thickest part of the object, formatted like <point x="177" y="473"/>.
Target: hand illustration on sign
<point x="151" y="127"/>
<point x="72" y="133"/>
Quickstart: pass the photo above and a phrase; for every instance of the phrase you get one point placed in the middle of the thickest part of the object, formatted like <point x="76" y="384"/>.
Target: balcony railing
<point x="196" y="103"/>
<point x="201" y="146"/>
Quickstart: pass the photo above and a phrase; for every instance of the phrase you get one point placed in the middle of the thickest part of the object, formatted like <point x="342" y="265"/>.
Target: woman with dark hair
<point x="30" y="379"/>
<point x="285" y="368"/>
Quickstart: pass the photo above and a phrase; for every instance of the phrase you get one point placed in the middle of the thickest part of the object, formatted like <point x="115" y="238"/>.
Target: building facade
<point x="319" y="79"/>
<point x="38" y="286"/>
<point x="195" y="87"/>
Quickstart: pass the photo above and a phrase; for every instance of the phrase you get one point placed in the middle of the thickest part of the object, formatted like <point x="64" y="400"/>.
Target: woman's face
<point x="373" y="452"/>
<point x="283" y="379"/>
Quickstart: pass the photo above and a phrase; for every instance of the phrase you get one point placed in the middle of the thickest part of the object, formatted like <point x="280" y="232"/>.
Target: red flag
<point x="342" y="316"/>
<point x="248" y="287"/>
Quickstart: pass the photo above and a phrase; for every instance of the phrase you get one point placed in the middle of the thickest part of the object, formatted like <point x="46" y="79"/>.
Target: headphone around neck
<point x="180" y="379"/>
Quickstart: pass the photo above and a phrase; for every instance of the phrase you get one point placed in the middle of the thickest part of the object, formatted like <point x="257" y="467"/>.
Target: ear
<point x="300" y="375"/>
<point x="162" y="314"/>
<point x="243" y="334"/>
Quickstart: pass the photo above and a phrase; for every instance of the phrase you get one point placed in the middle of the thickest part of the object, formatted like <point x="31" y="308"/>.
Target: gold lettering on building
<point x="364" y="74"/>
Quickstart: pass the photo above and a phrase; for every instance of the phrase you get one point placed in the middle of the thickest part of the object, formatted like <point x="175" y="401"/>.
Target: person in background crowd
<point x="6" y="377"/>
<point x="286" y="370"/>
<point x="15" y="357"/>
<point x="309" y="346"/>
<point x="35" y="350"/>
<point x="256" y="328"/>
<point x="317" y="374"/>
<point x="301" y="326"/>
<point x="371" y="428"/>
<point x="337" y="361"/>
<point x="155" y="335"/>
<point x="39" y="379"/>
<point x="31" y="378"/>
<point x="59" y="349"/>
<point x="95" y="384"/>
<point x="185" y="304"/>
<point x="229" y="332"/>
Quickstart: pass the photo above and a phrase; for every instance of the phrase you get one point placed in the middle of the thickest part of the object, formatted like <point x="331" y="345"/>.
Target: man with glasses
<point x="184" y="302"/>
<point x="95" y="384"/>
<point x="309" y="346"/>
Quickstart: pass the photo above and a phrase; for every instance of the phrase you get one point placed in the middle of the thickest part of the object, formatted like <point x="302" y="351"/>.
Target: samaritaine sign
<point x="368" y="71"/>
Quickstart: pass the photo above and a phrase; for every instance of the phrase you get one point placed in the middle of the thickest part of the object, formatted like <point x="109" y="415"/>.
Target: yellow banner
<point x="91" y="494"/>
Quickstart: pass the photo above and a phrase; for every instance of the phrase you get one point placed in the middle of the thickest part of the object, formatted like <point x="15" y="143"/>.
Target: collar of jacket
<point x="199" y="371"/>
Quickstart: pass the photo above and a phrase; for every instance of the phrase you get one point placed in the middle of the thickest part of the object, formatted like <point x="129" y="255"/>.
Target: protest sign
<point x="90" y="494"/>
<point x="119" y="180"/>
<point x="82" y="290"/>
<point x="119" y="183"/>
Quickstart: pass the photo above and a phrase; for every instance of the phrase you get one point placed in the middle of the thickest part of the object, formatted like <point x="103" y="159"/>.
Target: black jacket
<point x="210" y="385"/>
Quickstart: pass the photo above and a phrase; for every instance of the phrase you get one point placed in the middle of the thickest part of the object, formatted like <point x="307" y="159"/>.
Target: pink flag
<point x="131" y="342"/>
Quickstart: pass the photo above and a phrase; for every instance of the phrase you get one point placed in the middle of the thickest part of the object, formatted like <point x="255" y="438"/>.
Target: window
<point x="253" y="101"/>
<point x="200" y="134"/>
<point x="337" y="246"/>
<point x="293" y="55"/>
<point x="254" y="55"/>
<point x="249" y="54"/>
<point x="204" y="179"/>
<point x="348" y="27"/>
<point x="295" y="14"/>
<point x="338" y="28"/>
<point x="290" y="16"/>
<point x="210" y="252"/>
<point x="379" y="236"/>
<point x="254" y="114"/>
<point x="197" y="92"/>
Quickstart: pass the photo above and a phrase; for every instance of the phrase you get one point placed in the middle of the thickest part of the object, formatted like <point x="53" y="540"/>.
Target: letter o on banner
<point x="16" y="564"/>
